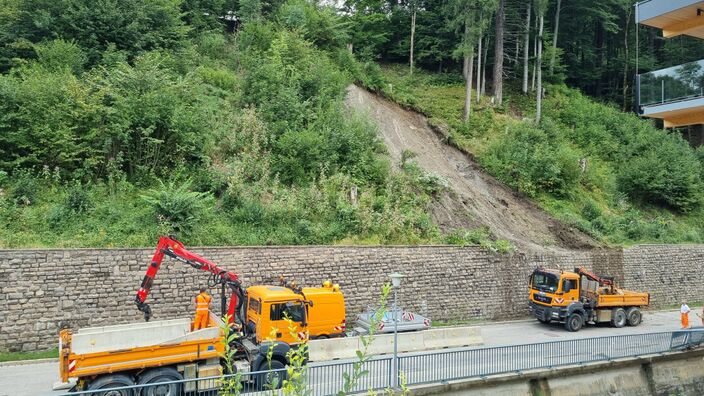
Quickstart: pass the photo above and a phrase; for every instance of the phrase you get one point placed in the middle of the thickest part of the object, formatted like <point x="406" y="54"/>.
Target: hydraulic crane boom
<point x="606" y="281"/>
<point x="171" y="247"/>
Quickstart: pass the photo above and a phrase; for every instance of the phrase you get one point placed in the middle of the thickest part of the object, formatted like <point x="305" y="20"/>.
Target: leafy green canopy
<point x="223" y="139"/>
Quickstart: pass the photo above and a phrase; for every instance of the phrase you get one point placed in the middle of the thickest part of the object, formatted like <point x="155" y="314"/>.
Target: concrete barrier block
<point x="332" y="349"/>
<point x="414" y="341"/>
<point x="452" y="337"/>
<point x="407" y="342"/>
<point x="133" y="335"/>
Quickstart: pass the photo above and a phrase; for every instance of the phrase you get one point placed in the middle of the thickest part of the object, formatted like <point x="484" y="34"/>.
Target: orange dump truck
<point x="152" y="352"/>
<point x="159" y="351"/>
<point x="580" y="297"/>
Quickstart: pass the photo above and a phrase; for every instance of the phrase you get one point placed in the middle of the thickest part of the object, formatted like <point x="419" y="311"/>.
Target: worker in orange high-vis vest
<point x="684" y="315"/>
<point x="202" y="305"/>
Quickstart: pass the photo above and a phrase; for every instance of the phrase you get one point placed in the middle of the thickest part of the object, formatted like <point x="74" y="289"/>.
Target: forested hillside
<point x="121" y="120"/>
<point x="223" y="121"/>
<point x="576" y="149"/>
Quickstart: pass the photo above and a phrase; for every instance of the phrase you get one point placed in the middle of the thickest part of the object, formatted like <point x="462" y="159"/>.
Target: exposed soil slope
<point x="475" y="198"/>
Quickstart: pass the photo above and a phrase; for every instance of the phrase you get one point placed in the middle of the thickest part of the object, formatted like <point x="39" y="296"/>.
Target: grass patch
<point x="458" y="322"/>
<point x="16" y="356"/>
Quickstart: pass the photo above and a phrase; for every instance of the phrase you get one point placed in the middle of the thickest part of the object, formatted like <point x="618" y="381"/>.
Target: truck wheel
<point x="618" y="318"/>
<point x="112" y="381"/>
<point x="574" y="322"/>
<point x="154" y="376"/>
<point x="634" y="316"/>
<point x="272" y="379"/>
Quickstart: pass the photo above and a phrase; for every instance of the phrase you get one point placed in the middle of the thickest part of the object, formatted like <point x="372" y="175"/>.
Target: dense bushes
<point x="530" y="160"/>
<point x="129" y="26"/>
<point x="145" y="117"/>
<point x="652" y="166"/>
<point x="219" y="139"/>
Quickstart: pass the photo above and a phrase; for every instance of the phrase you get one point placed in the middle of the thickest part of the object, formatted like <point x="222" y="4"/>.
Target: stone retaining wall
<point x="45" y="290"/>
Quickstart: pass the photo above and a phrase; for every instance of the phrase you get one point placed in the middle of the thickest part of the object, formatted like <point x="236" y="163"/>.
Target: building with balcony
<point x="676" y="94"/>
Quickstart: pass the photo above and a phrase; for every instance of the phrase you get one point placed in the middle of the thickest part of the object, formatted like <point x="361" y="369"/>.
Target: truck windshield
<point x="545" y="282"/>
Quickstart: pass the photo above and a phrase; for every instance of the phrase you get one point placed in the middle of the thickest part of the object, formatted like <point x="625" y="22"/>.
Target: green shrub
<point x="176" y="207"/>
<point x="531" y="161"/>
<point x="57" y="55"/>
<point x="25" y="188"/>
<point x="78" y="200"/>
<point x="4" y="178"/>
<point x="666" y="174"/>
<point x="591" y="210"/>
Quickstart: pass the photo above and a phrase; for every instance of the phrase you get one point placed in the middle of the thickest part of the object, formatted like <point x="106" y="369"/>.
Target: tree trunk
<point x="554" y="37"/>
<point x="625" y="62"/>
<point x="479" y="68"/>
<point x="526" y="50"/>
<point x="539" y="67"/>
<point x="469" y="66"/>
<point x="486" y="55"/>
<point x="499" y="55"/>
<point x="535" y="56"/>
<point x="413" y="36"/>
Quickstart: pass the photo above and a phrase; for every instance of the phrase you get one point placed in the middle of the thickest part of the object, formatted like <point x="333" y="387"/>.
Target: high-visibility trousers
<point x="684" y="318"/>
<point x="201" y="320"/>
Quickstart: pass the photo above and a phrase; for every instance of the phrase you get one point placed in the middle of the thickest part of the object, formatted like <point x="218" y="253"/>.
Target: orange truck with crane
<point x="162" y="351"/>
<point x="580" y="297"/>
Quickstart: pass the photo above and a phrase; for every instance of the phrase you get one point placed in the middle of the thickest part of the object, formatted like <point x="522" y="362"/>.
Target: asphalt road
<point x="37" y="378"/>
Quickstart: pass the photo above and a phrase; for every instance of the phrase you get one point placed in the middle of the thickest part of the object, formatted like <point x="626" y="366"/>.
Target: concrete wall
<point x="42" y="291"/>
<point x="673" y="374"/>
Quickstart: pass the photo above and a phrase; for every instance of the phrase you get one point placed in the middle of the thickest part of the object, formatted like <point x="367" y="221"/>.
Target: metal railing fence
<point x="670" y="85"/>
<point x="325" y="379"/>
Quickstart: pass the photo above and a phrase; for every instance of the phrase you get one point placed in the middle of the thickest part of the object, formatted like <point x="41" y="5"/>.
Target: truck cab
<point x="316" y="312"/>
<point x="554" y="288"/>
<point x="551" y="292"/>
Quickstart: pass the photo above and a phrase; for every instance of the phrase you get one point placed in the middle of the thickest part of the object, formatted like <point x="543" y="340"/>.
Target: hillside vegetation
<point x="121" y="120"/>
<point x="158" y="122"/>
<point x="606" y="172"/>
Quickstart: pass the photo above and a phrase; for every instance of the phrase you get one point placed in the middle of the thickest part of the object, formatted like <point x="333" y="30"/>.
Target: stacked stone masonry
<point x="43" y="291"/>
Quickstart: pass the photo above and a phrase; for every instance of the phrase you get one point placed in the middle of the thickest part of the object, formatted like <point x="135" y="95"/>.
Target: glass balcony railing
<point x="673" y="84"/>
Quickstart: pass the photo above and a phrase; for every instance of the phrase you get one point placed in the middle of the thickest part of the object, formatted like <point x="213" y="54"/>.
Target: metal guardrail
<point x="433" y="367"/>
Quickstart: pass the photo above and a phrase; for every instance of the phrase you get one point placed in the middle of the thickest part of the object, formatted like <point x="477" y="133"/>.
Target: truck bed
<point x="99" y="350"/>
<point x="623" y="298"/>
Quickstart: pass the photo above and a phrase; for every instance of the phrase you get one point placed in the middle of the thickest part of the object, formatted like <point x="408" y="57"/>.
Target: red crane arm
<point x="594" y="277"/>
<point x="173" y="248"/>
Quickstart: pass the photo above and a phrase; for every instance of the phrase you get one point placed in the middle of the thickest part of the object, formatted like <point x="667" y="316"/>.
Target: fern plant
<point x="177" y="208"/>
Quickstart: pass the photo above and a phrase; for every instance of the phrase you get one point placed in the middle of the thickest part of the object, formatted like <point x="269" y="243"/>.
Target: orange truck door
<point x="278" y="312"/>
<point x="570" y="290"/>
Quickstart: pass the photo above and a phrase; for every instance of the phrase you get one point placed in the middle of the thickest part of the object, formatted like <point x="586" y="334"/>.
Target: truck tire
<point x="270" y="381"/>
<point x="618" y="318"/>
<point x="111" y="381"/>
<point x="154" y="376"/>
<point x="634" y="316"/>
<point x="574" y="322"/>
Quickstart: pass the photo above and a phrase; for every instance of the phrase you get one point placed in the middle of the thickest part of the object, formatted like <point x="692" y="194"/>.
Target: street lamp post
<point x="396" y="283"/>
